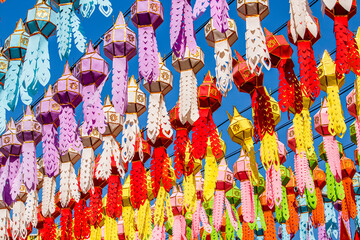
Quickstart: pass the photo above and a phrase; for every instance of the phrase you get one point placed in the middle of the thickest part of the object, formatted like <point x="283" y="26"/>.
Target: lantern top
<point x="327" y="73"/>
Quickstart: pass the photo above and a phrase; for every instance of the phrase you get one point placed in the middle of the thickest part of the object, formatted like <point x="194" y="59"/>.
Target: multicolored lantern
<point x="92" y="71"/>
<point x="182" y="32"/>
<point x="222" y="43"/>
<point x="87" y="7"/>
<point x="4" y="65"/>
<point x="14" y="49"/>
<point x="349" y="208"/>
<point x="147" y="16"/>
<point x="40" y="23"/>
<point x="253" y="12"/>
<point x="120" y="45"/>
<point x="292" y="224"/>
<point x="303" y="32"/>
<point x="289" y="87"/>
<point x="68" y="26"/>
<point x="319" y="212"/>
<point x="28" y="132"/>
<point x="331" y="84"/>
<point x="136" y="106"/>
<point x="347" y="55"/>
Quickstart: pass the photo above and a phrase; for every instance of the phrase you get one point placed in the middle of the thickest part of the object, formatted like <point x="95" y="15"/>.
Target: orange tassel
<point x="248" y="234"/>
<point x="292" y="224"/>
<point x="270" y="233"/>
<point x="348" y="203"/>
<point x="318" y="215"/>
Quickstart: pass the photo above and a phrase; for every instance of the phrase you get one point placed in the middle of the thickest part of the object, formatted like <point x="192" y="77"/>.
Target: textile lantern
<point x="253" y="12"/>
<point x="67" y="92"/>
<point x="4" y="216"/>
<point x="331" y="84"/>
<point x="120" y="46"/>
<point x="322" y="126"/>
<point x="251" y="83"/>
<point x="241" y="131"/>
<point x="4" y="65"/>
<point x="87" y="7"/>
<point x="136" y="106"/>
<point x="92" y="71"/>
<point x="292" y="224"/>
<point x="28" y="132"/>
<point x="182" y="32"/>
<point x="319" y="212"/>
<point x="222" y="42"/>
<point x="12" y="173"/>
<point x="14" y="49"/>
<point x="188" y="66"/>
<point x="68" y="27"/>
<point x="347" y="55"/>
<point x="304" y="33"/>
<point x="289" y="87"/>
<point x="40" y="24"/>
<point x="179" y="225"/>
<point x="270" y="231"/>
<point x="199" y="215"/>
<point x="242" y="172"/>
<point x="147" y="16"/>
<point x="209" y="100"/>
<point x="349" y="208"/>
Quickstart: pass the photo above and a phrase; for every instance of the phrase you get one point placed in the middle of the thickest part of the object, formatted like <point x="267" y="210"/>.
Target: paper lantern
<point x="87" y="8"/>
<point x="349" y="208"/>
<point x="4" y="65"/>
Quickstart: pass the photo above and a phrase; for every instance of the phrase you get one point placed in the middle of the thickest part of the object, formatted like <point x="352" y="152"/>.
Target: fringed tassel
<point x="248" y="208"/>
<point x="189" y="186"/>
<point x="129" y="222"/>
<point x="219" y="10"/>
<point x="79" y="38"/>
<point x="48" y="196"/>
<point x="302" y="174"/>
<point x="51" y="154"/>
<point x="87" y="169"/>
<point x="332" y="229"/>
<point x="42" y="64"/>
<point x="333" y="156"/>
<point x="181" y="141"/>
<point x="87" y="7"/>
<point x="63" y="32"/>
<point x="11" y="87"/>
<point x="30" y="165"/>
<point x="188" y="104"/>
<point x="159" y="170"/>
<point x="103" y="170"/>
<point x="138" y="183"/>
<point x="66" y="224"/>
<point x="81" y="226"/>
<point x="349" y="208"/>
<point x="318" y="214"/>
<point x="95" y="207"/>
<point x="218" y="209"/>
<point x="68" y="184"/>
<point x="335" y="190"/>
<point x="153" y="122"/>
<point x="200" y="7"/>
<point x="223" y="69"/>
<point x="114" y="197"/>
<point x="292" y="224"/>
<point x="270" y="232"/>
<point x="15" y="178"/>
<point x="269" y="152"/>
<point x="48" y="232"/>
<point x="18" y="226"/>
<point x="69" y="139"/>
<point x="248" y="234"/>
<point x="179" y="227"/>
<point x="119" y="84"/>
<point x="4" y="222"/>
<point x="32" y="208"/>
<point x="211" y="173"/>
<point x="195" y="226"/>
<point x="143" y="220"/>
<point x="337" y="124"/>
<point x="130" y="132"/>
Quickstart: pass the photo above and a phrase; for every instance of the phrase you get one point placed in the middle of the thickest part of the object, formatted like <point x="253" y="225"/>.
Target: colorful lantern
<point x="347" y="55"/>
<point x="120" y="46"/>
<point x="147" y="16"/>
<point x="4" y="65"/>
<point x="68" y="26"/>
<point x="222" y="43"/>
<point x="87" y="7"/>
<point x="306" y="228"/>
<point x="92" y="71"/>
<point x="319" y="212"/>
<point x="179" y="225"/>
<point x="209" y="100"/>
<point x="11" y="177"/>
<point x="18" y="226"/>
<point x="304" y="32"/>
<point x="14" y="49"/>
<point x="40" y="24"/>
<point x="182" y="32"/>
<point x="253" y="12"/>
<point x="349" y="208"/>
<point x="292" y="224"/>
<point x="289" y="86"/>
<point x="28" y="132"/>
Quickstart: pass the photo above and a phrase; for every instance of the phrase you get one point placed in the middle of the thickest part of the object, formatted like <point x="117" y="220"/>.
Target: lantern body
<point x="48" y="110"/>
<point x="75" y="3"/>
<point x="194" y="61"/>
<point x="291" y="141"/>
<point x="225" y="179"/>
<point x="240" y="129"/>
<point x="356" y="183"/>
<point x="212" y="35"/>
<point x="351" y="103"/>
<point x="275" y="110"/>
<point x="93" y="139"/>
<point x="322" y="153"/>
<point x="147" y="12"/>
<point x="136" y="98"/>
<point x="10" y="145"/>
<point x="22" y="196"/>
<point x="279" y="49"/>
<point x="353" y="132"/>
<point x="242" y="167"/>
<point x="347" y="167"/>
<point x="321" y="120"/>
<point x="208" y="94"/>
<point x="285" y="175"/>
<point x="177" y="200"/>
<point x="247" y="8"/>
<point x="307" y="36"/>
<point x="175" y="119"/>
<point x="327" y="73"/>
<point x="28" y="129"/>
<point x="319" y="177"/>
<point x="16" y="44"/>
<point x="338" y="10"/>
<point x="260" y="188"/>
<point x="281" y="150"/>
<point x="114" y="121"/>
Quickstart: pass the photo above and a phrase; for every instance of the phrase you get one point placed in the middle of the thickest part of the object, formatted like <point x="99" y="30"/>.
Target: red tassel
<point x="49" y="230"/>
<point x="200" y="137"/>
<point x="341" y="32"/>
<point x="81" y="221"/>
<point x="181" y="141"/>
<point x="66" y="224"/>
<point x="166" y="176"/>
<point x="96" y="206"/>
<point x="354" y="57"/>
<point x="114" y="197"/>
<point x="357" y="235"/>
<point x="214" y="138"/>
<point x="308" y="69"/>
<point x="138" y="183"/>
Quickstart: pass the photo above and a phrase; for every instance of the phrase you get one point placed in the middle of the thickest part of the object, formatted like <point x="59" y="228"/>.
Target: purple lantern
<point x="120" y="46"/>
<point x="147" y="15"/>
<point x="92" y="72"/>
<point x="47" y="113"/>
<point x="28" y="131"/>
<point x="11" y="177"/>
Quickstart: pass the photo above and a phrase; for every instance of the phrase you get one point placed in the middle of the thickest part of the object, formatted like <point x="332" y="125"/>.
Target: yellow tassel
<point x="211" y="173"/>
<point x="269" y="152"/>
<point x="129" y="222"/>
<point x="160" y="207"/>
<point x="169" y="212"/>
<point x="249" y="148"/>
<point x="148" y="222"/>
<point x="190" y="193"/>
<point x="142" y="218"/>
<point x="357" y="94"/>
<point x="303" y="133"/>
<point x="337" y="124"/>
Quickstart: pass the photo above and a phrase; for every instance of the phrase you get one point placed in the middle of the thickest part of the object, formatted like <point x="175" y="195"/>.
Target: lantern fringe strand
<point x="159" y="170"/>
<point x="138" y="183"/>
<point x="95" y="207"/>
<point x="81" y="215"/>
<point x="114" y="197"/>
<point x="66" y="222"/>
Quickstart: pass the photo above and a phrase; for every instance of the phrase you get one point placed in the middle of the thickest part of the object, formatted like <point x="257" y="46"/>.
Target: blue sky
<point x="93" y="28"/>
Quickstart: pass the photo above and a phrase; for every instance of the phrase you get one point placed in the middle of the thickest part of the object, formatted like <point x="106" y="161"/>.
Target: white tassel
<point x="31" y="208"/>
<point x="188" y="105"/>
<point x="87" y="169"/>
<point x="18" y="223"/>
<point x="130" y="132"/>
<point x="223" y="67"/>
<point x="4" y="223"/>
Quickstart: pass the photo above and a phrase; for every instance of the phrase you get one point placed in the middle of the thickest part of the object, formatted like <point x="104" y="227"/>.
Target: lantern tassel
<point x="79" y="38"/>
<point x="31" y="208"/>
<point x="63" y="32"/>
<point x="69" y="139"/>
<point x="332" y="229"/>
<point x="188" y="103"/>
<point x="318" y="214"/>
<point x="66" y="224"/>
<point x="49" y="230"/>
<point x="130" y="132"/>
<point x="119" y="84"/>
<point x="30" y="165"/>
<point x="138" y="183"/>
<point x="114" y="197"/>
<point x="18" y="223"/>
<point x="223" y="69"/>
<point x="218" y="209"/>
<point x="220" y="13"/>
<point x="87" y="169"/>
<point x="248" y="207"/>
<point x="15" y="178"/>
<point x="211" y="173"/>
<point x="333" y="156"/>
<point x="337" y="124"/>
<point x="51" y="154"/>
<point x="42" y="64"/>
<point x="95" y="207"/>
<point x="349" y="204"/>
<point x="48" y="196"/>
<point x="81" y="226"/>
<point x="4" y="222"/>
<point x="181" y="141"/>
<point x="12" y="84"/>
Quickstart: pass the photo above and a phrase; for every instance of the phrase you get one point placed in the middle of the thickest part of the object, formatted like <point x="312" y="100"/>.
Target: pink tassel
<point x="248" y="204"/>
<point x="177" y="228"/>
<point x="205" y="220"/>
<point x="333" y="156"/>
<point x="119" y="84"/>
<point x="51" y="153"/>
<point x="218" y="209"/>
<point x="68" y="131"/>
<point x="157" y="232"/>
<point x="232" y="216"/>
<point x="219" y="12"/>
<point x="269" y="188"/>
<point x="163" y="236"/>
<point x="30" y="168"/>
<point x="195" y="227"/>
<point x="322" y="233"/>
<point x="183" y="227"/>
<point x="357" y="130"/>
<point x="300" y="179"/>
<point x="276" y="181"/>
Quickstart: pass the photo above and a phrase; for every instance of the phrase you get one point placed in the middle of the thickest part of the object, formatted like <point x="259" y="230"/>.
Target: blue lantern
<point x="69" y="26"/>
<point x="87" y="7"/>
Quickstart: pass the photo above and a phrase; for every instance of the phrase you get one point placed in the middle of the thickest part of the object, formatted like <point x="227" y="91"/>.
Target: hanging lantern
<point x="319" y="212"/>
<point x="209" y="100"/>
<point x="249" y="82"/>
<point x="347" y="55"/>
<point x="120" y="46"/>
<point x="18" y="226"/>
<point x="179" y="225"/>
<point x="222" y="43"/>
<point x="256" y="51"/>
<point x="40" y="24"/>
<point x="289" y="87"/>
<point x="11" y="177"/>
<point x="14" y="49"/>
<point x="306" y="228"/>
<point x="182" y="32"/>
<point x="349" y="208"/>
<point x="4" y="65"/>
<point x="270" y="231"/>
<point x="28" y="132"/>
<point x="241" y="131"/>
<point x="304" y="33"/>
<point x="87" y="7"/>
<point x="147" y="16"/>
<point x="92" y="71"/>
<point x="292" y="224"/>
<point x="68" y="26"/>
